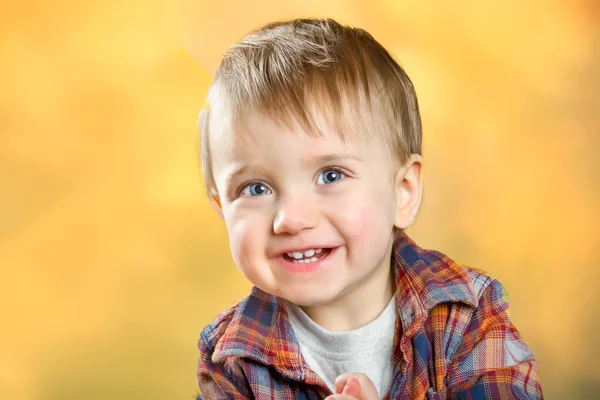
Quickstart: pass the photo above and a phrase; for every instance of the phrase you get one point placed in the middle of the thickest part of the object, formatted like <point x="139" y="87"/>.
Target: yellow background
<point x="112" y="260"/>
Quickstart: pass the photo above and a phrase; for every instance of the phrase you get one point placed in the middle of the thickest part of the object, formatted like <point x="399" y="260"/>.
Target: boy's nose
<point x="294" y="216"/>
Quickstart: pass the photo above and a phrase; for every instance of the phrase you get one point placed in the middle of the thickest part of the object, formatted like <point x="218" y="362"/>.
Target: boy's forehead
<point x="259" y="132"/>
<point x="278" y="138"/>
<point x="260" y="128"/>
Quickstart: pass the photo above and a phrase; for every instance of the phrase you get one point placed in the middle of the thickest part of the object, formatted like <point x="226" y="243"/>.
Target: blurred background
<point x="112" y="260"/>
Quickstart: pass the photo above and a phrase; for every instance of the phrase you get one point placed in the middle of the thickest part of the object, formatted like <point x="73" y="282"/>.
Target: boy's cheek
<point x="244" y="240"/>
<point x="245" y="248"/>
<point x="362" y="218"/>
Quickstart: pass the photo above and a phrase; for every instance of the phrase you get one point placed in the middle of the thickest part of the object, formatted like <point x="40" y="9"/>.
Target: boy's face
<point x="290" y="197"/>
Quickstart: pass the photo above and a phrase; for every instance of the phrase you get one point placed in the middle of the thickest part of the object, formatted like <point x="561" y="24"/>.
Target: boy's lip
<point x="307" y="268"/>
<point x="303" y="248"/>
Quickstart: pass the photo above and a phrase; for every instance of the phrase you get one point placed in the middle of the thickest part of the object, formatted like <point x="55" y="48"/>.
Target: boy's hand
<point x="354" y="386"/>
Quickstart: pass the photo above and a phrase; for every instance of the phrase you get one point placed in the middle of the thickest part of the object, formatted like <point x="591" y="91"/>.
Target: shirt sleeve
<point x="492" y="361"/>
<point x="220" y="381"/>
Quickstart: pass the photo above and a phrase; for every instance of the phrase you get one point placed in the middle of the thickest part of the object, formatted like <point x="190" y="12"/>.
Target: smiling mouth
<point x="306" y="260"/>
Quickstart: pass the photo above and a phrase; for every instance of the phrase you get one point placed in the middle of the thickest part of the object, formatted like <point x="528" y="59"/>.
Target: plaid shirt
<point x="454" y="340"/>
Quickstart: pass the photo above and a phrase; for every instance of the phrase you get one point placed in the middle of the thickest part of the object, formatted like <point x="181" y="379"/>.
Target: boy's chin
<point x="307" y="299"/>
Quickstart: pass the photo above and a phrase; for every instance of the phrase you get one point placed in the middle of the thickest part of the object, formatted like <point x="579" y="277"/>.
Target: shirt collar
<point x="424" y="279"/>
<point x="260" y="329"/>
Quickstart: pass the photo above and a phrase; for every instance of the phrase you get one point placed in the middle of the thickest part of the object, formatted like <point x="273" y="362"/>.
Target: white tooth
<point x="297" y="255"/>
<point x="290" y="254"/>
<point x="309" y="253"/>
<point x="318" y="251"/>
<point x="313" y="259"/>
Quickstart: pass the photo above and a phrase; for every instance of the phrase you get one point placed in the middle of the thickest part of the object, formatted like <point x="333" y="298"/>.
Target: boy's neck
<point x="358" y="307"/>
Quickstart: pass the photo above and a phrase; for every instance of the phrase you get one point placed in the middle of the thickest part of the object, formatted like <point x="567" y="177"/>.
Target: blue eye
<point x="259" y="190"/>
<point x="330" y="176"/>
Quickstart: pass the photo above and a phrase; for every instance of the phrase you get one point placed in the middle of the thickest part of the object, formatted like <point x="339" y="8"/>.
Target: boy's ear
<point x="216" y="205"/>
<point x="409" y="189"/>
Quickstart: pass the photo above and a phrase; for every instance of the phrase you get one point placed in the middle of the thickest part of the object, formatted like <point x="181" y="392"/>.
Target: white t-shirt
<point x="368" y="349"/>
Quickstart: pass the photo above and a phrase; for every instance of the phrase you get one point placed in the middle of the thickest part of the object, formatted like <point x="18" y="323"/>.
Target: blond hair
<point x="291" y="70"/>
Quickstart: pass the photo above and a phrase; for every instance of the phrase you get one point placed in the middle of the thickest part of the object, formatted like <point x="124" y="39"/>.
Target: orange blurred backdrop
<point x="112" y="259"/>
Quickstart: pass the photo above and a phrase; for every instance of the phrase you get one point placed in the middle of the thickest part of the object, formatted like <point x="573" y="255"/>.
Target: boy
<point x="311" y="150"/>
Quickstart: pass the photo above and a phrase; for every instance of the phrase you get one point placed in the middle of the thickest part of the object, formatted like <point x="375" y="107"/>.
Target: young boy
<point x="311" y="150"/>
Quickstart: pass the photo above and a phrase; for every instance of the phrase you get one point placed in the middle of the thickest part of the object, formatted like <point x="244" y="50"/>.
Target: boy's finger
<point x="360" y="386"/>
<point x="342" y="379"/>
<point x="341" y="397"/>
<point x="352" y="387"/>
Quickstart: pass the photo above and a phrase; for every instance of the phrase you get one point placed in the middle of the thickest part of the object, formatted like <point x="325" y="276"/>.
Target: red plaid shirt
<point x="454" y="340"/>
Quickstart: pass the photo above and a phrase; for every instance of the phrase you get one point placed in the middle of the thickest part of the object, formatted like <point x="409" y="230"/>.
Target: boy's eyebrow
<point x="327" y="158"/>
<point x="310" y="161"/>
